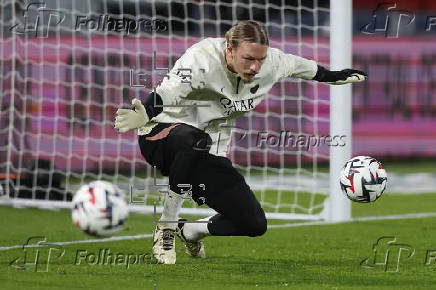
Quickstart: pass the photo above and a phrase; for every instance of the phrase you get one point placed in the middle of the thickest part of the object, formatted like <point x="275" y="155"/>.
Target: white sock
<point x="172" y="204"/>
<point x="196" y="231"/>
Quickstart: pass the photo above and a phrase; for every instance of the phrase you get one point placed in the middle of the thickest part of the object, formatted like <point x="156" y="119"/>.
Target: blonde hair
<point x="246" y="30"/>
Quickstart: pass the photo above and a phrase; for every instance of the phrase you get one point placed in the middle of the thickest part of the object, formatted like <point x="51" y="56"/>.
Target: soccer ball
<point x="100" y="209"/>
<point x="363" y="179"/>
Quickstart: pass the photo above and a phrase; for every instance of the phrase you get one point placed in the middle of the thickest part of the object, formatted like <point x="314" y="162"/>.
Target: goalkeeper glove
<point x="128" y="119"/>
<point x="341" y="77"/>
<point x="347" y="76"/>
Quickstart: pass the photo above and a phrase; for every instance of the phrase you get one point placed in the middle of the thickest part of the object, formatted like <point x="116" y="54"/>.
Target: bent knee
<point x="258" y="227"/>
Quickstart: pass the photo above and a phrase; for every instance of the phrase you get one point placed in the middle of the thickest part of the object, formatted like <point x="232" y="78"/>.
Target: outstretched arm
<point x="341" y="77"/>
<point x="289" y="65"/>
<point x="174" y="90"/>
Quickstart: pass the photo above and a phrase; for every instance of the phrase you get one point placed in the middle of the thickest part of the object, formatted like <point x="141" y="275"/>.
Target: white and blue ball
<point x="100" y="208"/>
<point x="363" y="179"/>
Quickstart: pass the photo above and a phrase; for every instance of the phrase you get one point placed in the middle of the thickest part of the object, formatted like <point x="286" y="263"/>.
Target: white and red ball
<point x="100" y="209"/>
<point x="363" y="179"/>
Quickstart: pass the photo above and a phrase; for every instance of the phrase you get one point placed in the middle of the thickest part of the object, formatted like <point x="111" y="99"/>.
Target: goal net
<point x="66" y="66"/>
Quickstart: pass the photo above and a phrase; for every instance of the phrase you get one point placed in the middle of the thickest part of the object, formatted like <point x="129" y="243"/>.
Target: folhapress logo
<point x="38" y="255"/>
<point x="388" y="20"/>
<point x="388" y="254"/>
<point x="38" y="19"/>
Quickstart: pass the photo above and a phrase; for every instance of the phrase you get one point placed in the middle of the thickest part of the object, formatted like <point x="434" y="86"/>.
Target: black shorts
<point x="161" y="145"/>
<point x="155" y="148"/>
<point x="165" y="141"/>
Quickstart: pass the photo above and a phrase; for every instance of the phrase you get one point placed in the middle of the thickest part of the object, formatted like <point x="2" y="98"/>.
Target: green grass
<point x="392" y="204"/>
<point x="308" y="257"/>
<point x="410" y="166"/>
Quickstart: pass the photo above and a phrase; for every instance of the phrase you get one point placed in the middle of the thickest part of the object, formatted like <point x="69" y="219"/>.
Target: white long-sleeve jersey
<point x="201" y="91"/>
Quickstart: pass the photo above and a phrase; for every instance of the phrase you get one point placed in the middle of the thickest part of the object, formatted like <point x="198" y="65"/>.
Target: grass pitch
<point x="305" y="257"/>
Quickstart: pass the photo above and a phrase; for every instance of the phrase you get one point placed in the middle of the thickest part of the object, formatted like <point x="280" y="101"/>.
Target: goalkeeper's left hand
<point x="128" y="119"/>
<point x="347" y="76"/>
<point x="340" y="77"/>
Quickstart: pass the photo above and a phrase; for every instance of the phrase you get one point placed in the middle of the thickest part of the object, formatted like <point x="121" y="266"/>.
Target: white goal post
<point x="341" y="26"/>
<point x="66" y="66"/>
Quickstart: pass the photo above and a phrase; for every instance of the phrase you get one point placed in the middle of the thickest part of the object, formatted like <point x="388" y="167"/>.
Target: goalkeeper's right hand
<point x="128" y="119"/>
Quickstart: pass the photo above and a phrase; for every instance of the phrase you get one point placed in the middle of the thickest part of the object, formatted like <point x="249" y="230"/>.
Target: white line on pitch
<point x="316" y="223"/>
<point x="360" y="219"/>
<point x="111" y="239"/>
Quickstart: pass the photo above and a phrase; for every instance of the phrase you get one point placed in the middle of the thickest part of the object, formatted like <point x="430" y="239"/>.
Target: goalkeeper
<point x="184" y="130"/>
